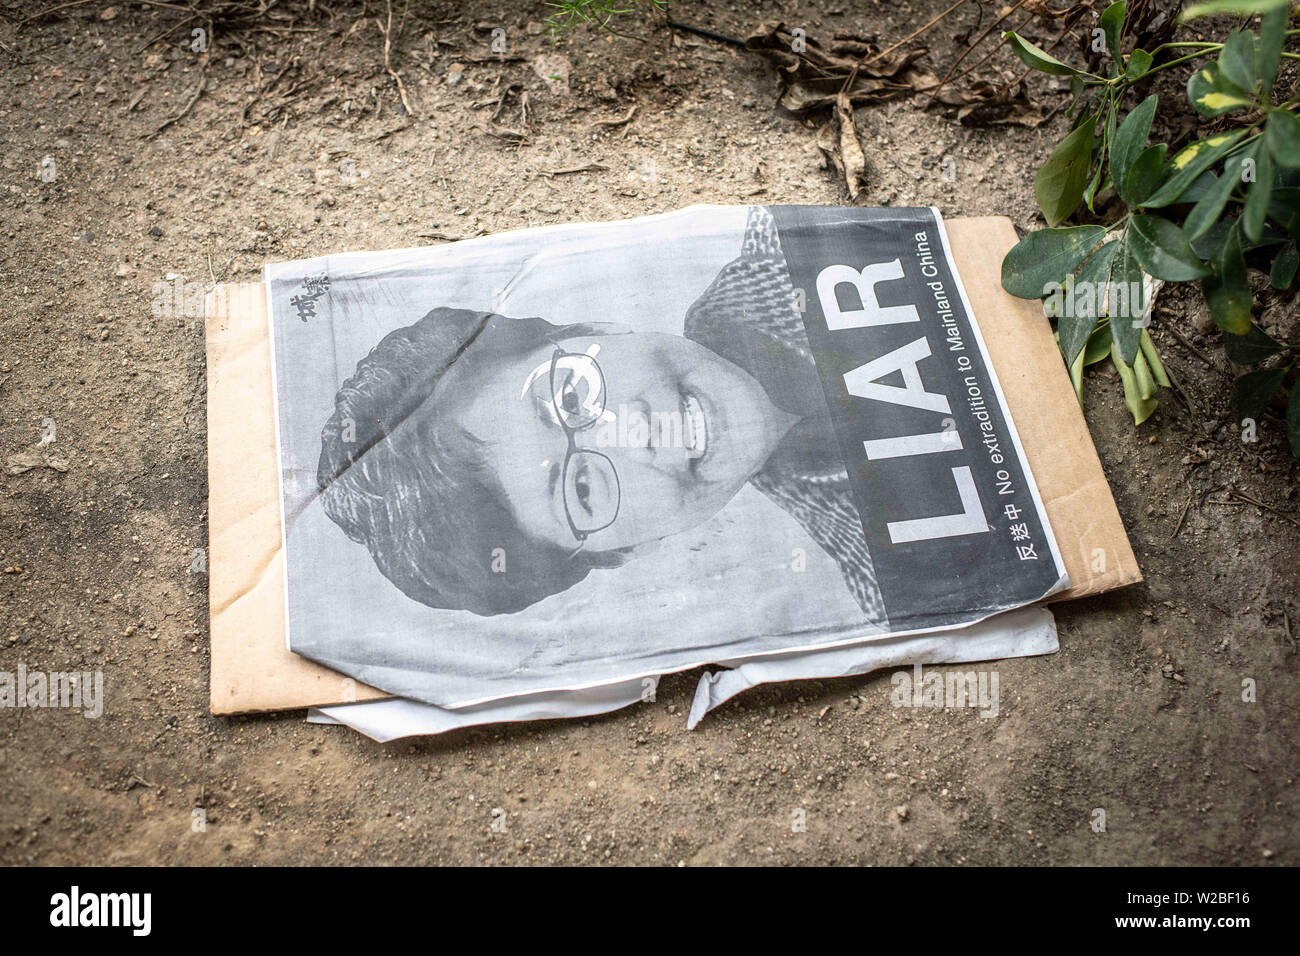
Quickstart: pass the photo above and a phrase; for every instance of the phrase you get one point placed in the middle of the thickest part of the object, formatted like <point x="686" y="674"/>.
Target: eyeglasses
<point x="589" y="481"/>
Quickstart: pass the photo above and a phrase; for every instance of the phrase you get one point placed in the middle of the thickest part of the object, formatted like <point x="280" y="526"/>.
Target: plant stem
<point x="1182" y="59"/>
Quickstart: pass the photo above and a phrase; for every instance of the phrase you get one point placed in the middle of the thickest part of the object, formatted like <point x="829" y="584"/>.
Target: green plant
<point x="1178" y="220"/>
<point x="570" y="13"/>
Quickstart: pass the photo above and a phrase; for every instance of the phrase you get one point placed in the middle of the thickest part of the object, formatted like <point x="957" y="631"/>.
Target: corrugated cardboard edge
<point x="253" y="671"/>
<point x="1046" y="412"/>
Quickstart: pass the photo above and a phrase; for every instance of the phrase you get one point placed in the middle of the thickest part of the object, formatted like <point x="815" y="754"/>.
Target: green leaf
<point x="1207" y="246"/>
<point x="1237" y="60"/>
<point x="1085" y="302"/>
<point x="1226" y="291"/>
<point x="1077" y="87"/>
<point x="1293" y="421"/>
<point x="1039" y="59"/>
<point x="1126" y="300"/>
<point x="1271" y="236"/>
<point x="1094" y="186"/>
<point x="1252" y="391"/>
<point x="1112" y="118"/>
<point x="1268" y="48"/>
<point x="1076" y="377"/>
<point x="1162" y="249"/>
<point x="1047" y="256"/>
<point x="1153" y="357"/>
<point x="1284" y="208"/>
<point x="1099" y="345"/>
<point x="1100" y="180"/>
<point x="1239" y="7"/>
<point x="1251" y="348"/>
<point x="1213" y="94"/>
<point x="1130" y="139"/>
<point x="1058" y="187"/>
<point x="1144" y="174"/>
<point x="1282" y="137"/>
<point x="1074" y="332"/>
<point x="1140" y="407"/>
<point x="1112" y="25"/>
<point x="1199" y="187"/>
<point x="1146" y="382"/>
<point x="1189" y="162"/>
<point x="1258" y="196"/>
<point x="1284" y="266"/>
<point x="1209" y="207"/>
<point x="1139" y="62"/>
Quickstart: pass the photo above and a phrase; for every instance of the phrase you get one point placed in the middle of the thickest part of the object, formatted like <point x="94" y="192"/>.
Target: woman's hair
<point x="399" y="475"/>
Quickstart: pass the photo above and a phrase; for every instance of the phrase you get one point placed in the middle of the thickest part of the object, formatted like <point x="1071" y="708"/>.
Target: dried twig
<point x="1209" y="362"/>
<point x="165" y="33"/>
<point x="509" y="135"/>
<point x="617" y="121"/>
<point x="77" y="3"/>
<point x="992" y="26"/>
<point x="501" y="100"/>
<point x="1183" y="517"/>
<point x="588" y="168"/>
<point x="389" y="132"/>
<point x="863" y="61"/>
<point x="492" y="58"/>
<point x="198" y="91"/>
<point x="1017" y="27"/>
<point x="449" y="237"/>
<point x="1259" y="504"/>
<point x="1175" y="379"/>
<point x="707" y="34"/>
<point x="388" y="63"/>
<point x="264" y="88"/>
<point x="1247" y="500"/>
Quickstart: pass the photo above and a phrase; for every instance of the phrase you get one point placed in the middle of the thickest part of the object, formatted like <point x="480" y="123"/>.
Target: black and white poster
<point x="576" y="455"/>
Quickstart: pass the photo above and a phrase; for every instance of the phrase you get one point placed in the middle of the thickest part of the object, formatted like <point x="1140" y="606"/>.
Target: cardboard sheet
<point x="252" y="669"/>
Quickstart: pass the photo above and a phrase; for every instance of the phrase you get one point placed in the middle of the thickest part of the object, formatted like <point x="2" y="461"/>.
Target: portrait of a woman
<point x="486" y="461"/>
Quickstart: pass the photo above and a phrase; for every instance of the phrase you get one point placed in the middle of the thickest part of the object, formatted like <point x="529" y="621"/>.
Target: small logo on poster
<point x="304" y="303"/>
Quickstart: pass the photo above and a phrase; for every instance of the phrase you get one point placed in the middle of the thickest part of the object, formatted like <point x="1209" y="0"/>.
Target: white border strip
<point x="279" y="468"/>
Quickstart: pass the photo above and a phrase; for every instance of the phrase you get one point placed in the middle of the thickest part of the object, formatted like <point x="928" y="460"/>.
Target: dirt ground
<point x="298" y="145"/>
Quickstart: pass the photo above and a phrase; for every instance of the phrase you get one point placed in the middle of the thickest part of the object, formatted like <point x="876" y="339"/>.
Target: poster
<point x="578" y="455"/>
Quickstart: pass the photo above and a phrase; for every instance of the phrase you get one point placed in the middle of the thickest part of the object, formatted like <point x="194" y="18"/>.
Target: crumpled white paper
<point x="1025" y="632"/>
<point x="1021" y="633"/>
<point x="385" y="720"/>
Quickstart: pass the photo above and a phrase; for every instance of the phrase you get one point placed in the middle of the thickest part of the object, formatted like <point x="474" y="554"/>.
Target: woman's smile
<point x="696" y="426"/>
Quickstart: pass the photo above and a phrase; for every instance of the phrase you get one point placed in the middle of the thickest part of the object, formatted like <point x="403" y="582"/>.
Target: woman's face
<point x="681" y="431"/>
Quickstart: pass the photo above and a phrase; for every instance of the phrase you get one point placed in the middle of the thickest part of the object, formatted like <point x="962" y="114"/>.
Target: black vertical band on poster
<point x="934" y="579"/>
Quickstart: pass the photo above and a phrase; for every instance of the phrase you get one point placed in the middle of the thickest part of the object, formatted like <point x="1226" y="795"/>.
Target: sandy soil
<point x="1140" y="714"/>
